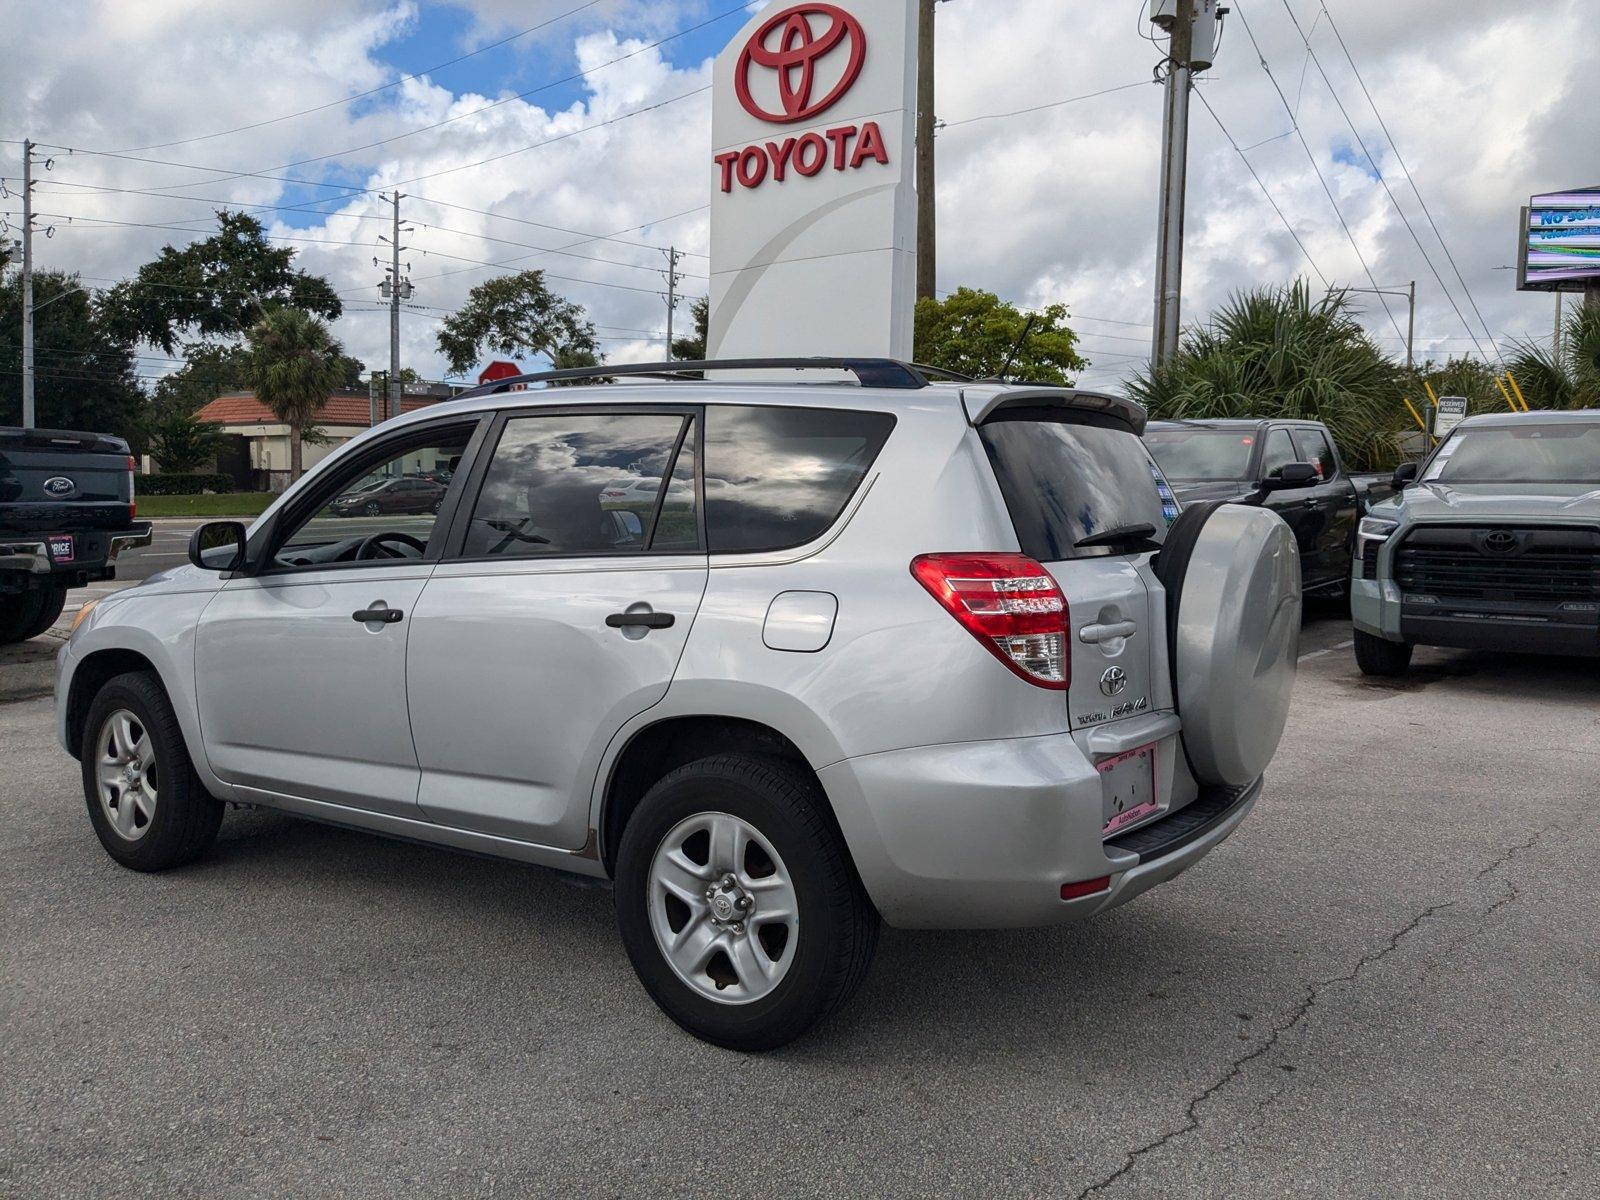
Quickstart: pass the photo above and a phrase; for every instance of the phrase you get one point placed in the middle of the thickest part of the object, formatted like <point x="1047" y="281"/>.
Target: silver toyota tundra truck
<point x="1494" y="544"/>
<point x="780" y="659"/>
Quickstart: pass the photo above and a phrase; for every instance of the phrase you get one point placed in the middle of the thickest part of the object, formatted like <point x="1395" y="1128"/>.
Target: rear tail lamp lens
<point x="133" y="499"/>
<point x="1011" y="604"/>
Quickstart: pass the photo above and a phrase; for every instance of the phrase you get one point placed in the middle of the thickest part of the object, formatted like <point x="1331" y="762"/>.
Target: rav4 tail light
<point x="1008" y="602"/>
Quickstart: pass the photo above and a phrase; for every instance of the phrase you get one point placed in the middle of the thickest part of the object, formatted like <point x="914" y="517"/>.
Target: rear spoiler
<point x="989" y="402"/>
<point x="61" y="439"/>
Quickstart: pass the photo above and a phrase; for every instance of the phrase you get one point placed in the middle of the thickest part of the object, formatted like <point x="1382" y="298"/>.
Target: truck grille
<point x="1501" y="563"/>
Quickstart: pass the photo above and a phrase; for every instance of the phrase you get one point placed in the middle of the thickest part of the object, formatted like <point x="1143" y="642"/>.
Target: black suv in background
<point x="66" y="512"/>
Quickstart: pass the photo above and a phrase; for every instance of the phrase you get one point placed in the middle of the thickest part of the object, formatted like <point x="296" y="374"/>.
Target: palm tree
<point x="1570" y="379"/>
<point x="294" y="364"/>
<point x="1278" y="352"/>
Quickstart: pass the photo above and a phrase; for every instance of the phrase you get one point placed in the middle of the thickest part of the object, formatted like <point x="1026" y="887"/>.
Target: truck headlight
<point x="1376" y="529"/>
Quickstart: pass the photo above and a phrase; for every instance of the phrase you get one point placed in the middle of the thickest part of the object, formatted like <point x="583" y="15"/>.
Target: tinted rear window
<point x="776" y="478"/>
<point x="1064" y="482"/>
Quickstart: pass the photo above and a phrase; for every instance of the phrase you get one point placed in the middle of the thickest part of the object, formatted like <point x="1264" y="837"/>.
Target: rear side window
<point x="562" y="485"/>
<point x="776" y="478"/>
<point x="1064" y="482"/>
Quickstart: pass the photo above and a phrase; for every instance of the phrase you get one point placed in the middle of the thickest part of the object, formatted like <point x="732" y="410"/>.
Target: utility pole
<point x="396" y="288"/>
<point x="674" y="257"/>
<point x="927" y="239"/>
<point x="29" y="416"/>
<point x="1174" y="169"/>
<point x="1555" y="342"/>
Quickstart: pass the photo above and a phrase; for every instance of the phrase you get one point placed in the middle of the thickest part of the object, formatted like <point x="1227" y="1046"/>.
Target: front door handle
<point x="640" y="620"/>
<point x="379" y="613"/>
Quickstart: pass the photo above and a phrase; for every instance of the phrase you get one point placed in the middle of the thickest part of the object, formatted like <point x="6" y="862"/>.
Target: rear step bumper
<point x="984" y="834"/>
<point x="29" y="554"/>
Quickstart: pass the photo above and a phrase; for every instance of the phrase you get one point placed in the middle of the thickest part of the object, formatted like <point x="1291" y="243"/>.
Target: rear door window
<point x="776" y="478"/>
<point x="588" y="484"/>
<point x="1064" y="481"/>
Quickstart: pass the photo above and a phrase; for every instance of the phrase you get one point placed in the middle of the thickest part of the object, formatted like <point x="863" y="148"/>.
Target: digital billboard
<point x="1560" y="243"/>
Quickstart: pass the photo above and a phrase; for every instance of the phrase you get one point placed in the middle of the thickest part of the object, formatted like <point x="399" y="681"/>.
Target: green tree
<point x="209" y="370"/>
<point x="84" y="375"/>
<point x="515" y="315"/>
<point x="215" y="287"/>
<point x="295" y="364"/>
<point x="1570" y="379"/>
<point x="976" y="332"/>
<point x="176" y="440"/>
<point x="1279" y="352"/>
<point x="693" y="348"/>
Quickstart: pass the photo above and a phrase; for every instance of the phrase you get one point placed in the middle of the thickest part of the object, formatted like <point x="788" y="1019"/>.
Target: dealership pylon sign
<point x="813" y="208"/>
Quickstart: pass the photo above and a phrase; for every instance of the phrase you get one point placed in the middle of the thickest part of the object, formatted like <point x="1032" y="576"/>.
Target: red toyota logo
<point x="794" y="58"/>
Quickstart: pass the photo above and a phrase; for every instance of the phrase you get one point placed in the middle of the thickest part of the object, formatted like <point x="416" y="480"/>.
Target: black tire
<point x="786" y="805"/>
<point x="1379" y="656"/>
<point x="186" y="817"/>
<point x="54" y="600"/>
<point x="18" y="612"/>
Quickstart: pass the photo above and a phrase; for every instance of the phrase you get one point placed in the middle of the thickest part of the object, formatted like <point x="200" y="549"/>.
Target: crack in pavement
<point x="1302" y="1010"/>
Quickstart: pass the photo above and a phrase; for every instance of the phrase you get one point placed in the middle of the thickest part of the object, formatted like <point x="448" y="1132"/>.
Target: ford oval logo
<point x="60" y="487"/>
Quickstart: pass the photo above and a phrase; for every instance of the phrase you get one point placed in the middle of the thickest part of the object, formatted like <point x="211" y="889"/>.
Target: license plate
<point x="62" y="548"/>
<point x="1128" y="786"/>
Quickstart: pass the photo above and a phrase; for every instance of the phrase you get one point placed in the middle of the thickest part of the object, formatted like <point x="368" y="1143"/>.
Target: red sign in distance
<point x="498" y="370"/>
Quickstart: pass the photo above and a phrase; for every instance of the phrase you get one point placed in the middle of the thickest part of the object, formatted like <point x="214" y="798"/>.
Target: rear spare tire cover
<point x="1234" y="610"/>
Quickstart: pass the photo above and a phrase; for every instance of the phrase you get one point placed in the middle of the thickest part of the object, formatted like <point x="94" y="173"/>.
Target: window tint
<point x="379" y="511"/>
<point x="1064" y="482"/>
<point x="1316" y="451"/>
<point x="1189" y="455"/>
<point x="779" y="477"/>
<point x="1279" y="452"/>
<point x="566" y="485"/>
<point x="679" y="525"/>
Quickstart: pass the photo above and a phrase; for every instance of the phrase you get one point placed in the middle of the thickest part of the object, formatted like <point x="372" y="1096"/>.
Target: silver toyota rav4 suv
<point x="940" y="653"/>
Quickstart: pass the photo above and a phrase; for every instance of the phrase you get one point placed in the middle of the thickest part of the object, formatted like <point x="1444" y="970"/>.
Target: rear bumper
<point x="984" y="834"/>
<point x="25" y="557"/>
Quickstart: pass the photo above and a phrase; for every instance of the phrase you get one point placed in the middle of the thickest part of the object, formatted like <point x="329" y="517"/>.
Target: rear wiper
<point x="1116" y="537"/>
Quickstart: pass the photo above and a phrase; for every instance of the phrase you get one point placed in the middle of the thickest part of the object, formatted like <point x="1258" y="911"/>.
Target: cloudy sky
<point x="566" y="121"/>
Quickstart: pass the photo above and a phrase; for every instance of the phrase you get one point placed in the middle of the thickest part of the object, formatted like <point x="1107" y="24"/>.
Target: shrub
<point x="181" y="483"/>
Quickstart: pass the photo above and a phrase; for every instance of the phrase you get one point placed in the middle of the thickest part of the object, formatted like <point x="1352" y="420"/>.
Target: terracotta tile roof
<point x="341" y="408"/>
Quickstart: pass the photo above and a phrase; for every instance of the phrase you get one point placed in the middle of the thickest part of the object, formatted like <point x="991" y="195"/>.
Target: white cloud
<point x="1486" y="105"/>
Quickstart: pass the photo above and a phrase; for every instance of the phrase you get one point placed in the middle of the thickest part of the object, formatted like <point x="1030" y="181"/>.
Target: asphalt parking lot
<point x="1386" y="984"/>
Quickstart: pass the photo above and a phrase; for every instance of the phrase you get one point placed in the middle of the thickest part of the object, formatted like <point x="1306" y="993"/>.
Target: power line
<point x="404" y="79"/>
<point x="1388" y="191"/>
<point x="1249" y="166"/>
<point x="1312" y="158"/>
<point x="1018" y="112"/>
<point x="1411" y="179"/>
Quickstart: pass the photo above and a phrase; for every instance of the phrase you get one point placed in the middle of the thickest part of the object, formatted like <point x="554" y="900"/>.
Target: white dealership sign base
<point x="813" y="207"/>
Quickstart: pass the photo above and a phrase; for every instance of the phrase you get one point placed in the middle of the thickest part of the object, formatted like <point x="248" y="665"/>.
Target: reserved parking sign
<point x="1451" y="412"/>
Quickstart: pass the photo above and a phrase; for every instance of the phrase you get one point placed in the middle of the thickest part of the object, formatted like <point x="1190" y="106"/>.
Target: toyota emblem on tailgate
<point x="1113" y="681"/>
<point x="59" y="486"/>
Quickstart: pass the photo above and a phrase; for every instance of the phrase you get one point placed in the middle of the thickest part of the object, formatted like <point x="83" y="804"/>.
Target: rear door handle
<point x="1105" y="633"/>
<point x="379" y="613"/>
<point x="641" y="620"/>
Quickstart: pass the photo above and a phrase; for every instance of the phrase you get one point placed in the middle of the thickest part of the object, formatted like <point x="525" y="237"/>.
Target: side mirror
<point x="1290" y="475"/>
<point x="218" y="546"/>
<point x="1405" y="473"/>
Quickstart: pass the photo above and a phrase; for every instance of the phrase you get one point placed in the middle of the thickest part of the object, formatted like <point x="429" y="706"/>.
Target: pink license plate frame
<point x="1128" y="785"/>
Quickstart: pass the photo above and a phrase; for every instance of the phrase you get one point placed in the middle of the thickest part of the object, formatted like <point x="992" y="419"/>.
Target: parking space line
<point x="1327" y="650"/>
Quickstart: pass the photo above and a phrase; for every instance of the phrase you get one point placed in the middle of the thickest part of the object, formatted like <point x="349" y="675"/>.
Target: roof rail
<point x="869" y="372"/>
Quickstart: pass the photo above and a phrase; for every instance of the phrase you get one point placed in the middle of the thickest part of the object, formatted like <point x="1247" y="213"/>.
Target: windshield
<point x="1542" y="453"/>
<point x="1190" y="455"/>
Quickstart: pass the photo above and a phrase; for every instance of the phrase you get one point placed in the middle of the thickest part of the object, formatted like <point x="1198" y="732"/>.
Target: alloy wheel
<point x="125" y="770"/>
<point x="722" y="907"/>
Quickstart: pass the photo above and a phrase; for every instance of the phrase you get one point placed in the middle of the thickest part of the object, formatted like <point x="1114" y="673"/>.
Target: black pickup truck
<point x="66" y="512"/>
<point x="1231" y="459"/>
